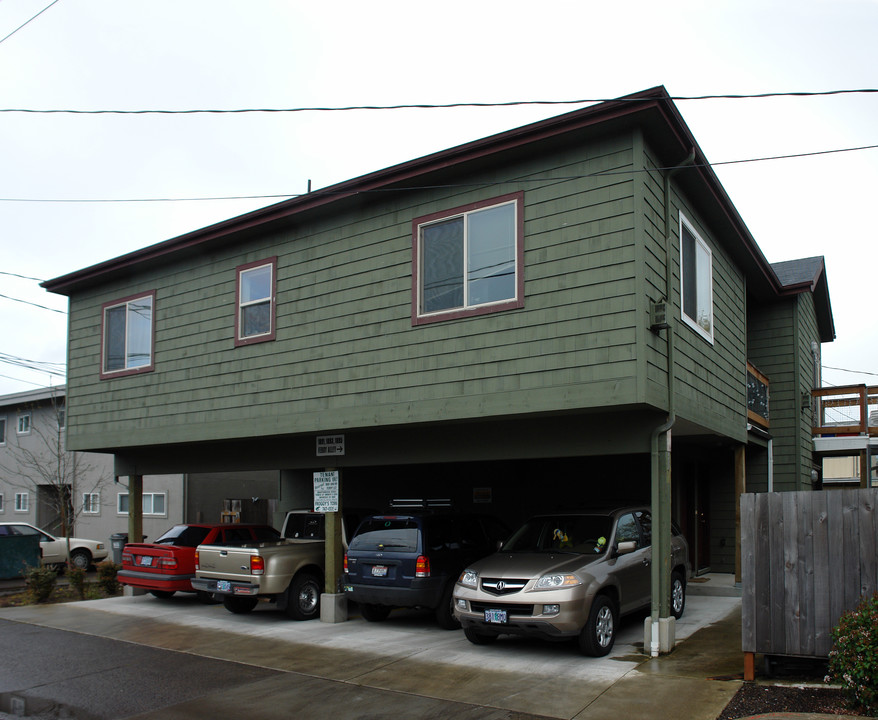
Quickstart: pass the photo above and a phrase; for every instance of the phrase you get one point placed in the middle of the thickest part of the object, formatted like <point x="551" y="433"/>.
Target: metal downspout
<point x="660" y="472"/>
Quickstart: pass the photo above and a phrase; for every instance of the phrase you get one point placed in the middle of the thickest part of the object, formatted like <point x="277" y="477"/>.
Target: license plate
<point x="223" y="586"/>
<point x="495" y="616"/>
<point x="146" y="561"/>
<point x="379" y="570"/>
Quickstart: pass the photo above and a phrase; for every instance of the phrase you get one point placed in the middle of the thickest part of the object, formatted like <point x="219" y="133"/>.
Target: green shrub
<point x="107" y="577"/>
<point x="76" y="577"/>
<point x="40" y="582"/>
<point x="853" y="661"/>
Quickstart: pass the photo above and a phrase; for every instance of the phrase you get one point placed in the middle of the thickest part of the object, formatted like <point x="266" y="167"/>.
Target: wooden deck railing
<point x="757" y="396"/>
<point x="846" y="410"/>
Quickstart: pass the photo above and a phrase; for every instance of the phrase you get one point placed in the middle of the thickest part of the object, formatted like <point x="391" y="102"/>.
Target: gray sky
<point x="223" y="54"/>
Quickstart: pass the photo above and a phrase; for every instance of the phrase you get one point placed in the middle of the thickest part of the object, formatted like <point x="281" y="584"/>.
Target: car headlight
<point x="555" y="581"/>
<point x="469" y="578"/>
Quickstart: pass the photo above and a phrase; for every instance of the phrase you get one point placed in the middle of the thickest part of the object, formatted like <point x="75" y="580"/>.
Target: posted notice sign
<point x="326" y="491"/>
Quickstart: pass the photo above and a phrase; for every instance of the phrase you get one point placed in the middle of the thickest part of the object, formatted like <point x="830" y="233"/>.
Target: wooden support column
<point x="135" y="508"/>
<point x="740" y="489"/>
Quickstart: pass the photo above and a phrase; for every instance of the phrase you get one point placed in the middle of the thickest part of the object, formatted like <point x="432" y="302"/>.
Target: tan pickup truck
<point x="287" y="571"/>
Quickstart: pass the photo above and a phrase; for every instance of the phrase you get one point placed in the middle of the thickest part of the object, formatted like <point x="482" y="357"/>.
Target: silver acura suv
<point x="567" y="575"/>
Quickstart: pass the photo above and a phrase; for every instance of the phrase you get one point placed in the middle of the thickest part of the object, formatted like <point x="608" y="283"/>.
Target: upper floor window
<point x="468" y="261"/>
<point x="24" y="424"/>
<point x="254" y="319"/>
<point x="2" y="430"/>
<point x="91" y="503"/>
<point x="22" y="502"/>
<point x="2" y="505"/>
<point x="696" y="280"/>
<point x="128" y="335"/>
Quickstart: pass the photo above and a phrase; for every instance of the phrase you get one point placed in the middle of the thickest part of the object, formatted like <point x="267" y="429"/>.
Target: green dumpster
<point x="18" y="552"/>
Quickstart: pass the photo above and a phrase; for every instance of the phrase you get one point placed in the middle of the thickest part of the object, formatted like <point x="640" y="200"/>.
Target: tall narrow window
<point x="128" y="335"/>
<point x="254" y="321"/>
<point x="24" y="424"/>
<point x="696" y="280"/>
<point x="2" y="430"/>
<point x="468" y="260"/>
<point x="22" y="502"/>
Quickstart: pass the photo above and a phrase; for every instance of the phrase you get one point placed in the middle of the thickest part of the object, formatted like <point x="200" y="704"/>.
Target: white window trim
<point x="240" y="305"/>
<point x="22" y="502"/>
<point x="5" y="423"/>
<point x="23" y="417"/>
<point x="2" y="503"/>
<point x="89" y="501"/>
<point x="106" y="373"/>
<point x="699" y="242"/>
<point x="119" y="510"/>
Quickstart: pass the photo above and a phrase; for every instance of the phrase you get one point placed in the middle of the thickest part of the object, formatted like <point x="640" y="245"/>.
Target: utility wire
<point x="601" y="173"/>
<point x="431" y="106"/>
<point x="29" y="21"/>
<point x="23" y="277"/>
<point x="26" y="302"/>
<point x="856" y="372"/>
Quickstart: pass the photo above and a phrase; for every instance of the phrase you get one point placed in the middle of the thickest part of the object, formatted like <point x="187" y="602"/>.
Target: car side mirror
<point x="628" y="546"/>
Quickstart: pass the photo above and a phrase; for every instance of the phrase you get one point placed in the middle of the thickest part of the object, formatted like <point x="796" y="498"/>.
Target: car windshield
<point x="385" y="533"/>
<point x="184" y="536"/>
<point x="580" y="534"/>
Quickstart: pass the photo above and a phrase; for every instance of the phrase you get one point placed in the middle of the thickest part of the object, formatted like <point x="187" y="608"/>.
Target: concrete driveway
<point x="408" y="656"/>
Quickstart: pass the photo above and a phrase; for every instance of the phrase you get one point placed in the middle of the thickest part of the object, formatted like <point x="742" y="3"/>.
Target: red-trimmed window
<point x="128" y="333"/>
<point x="255" y="302"/>
<point x="468" y="260"/>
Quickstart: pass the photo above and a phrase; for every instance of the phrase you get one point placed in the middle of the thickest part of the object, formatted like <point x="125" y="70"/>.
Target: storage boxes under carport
<point x="806" y="559"/>
<point x="17" y="553"/>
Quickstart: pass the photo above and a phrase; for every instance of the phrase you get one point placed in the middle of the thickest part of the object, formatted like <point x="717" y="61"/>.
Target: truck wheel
<point x="374" y="613"/>
<point x="162" y="594"/>
<point x="239" y="605"/>
<point x="303" y="602"/>
<point x="445" y="610"/>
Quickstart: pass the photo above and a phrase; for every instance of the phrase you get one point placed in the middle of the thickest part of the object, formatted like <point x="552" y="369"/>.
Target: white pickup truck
<point x="287" y="571"/>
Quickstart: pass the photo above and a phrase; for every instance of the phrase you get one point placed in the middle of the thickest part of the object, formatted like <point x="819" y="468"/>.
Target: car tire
<point x="445" y="610"/>
<point x="477" y="638"/>
<point x="678" y="594"/>
<point x="303" y="602"/>
<point x="374" y="613"/>
<point x="239" y="605"/>
<point x="599" y="634"/>
<point x="162" y="594"/>
<point x="80" y="559"/>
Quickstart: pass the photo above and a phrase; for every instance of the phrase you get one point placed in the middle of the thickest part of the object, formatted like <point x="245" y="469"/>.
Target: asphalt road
<point x="96" y="678"/>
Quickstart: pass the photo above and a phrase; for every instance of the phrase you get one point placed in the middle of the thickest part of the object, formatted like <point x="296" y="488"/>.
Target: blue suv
<point x="413" y="560"/>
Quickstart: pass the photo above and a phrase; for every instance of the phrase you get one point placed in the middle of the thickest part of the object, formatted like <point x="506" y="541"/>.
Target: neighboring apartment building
<point x="548" y="318"/>
<point x="38" y="475"/>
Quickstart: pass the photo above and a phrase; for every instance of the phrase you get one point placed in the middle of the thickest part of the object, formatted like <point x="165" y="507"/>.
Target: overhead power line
<point x="27" y="302"/>
<point x="23" y="277"/>
<point x="28" y="22"/>
<point x="51" y="368"/>
<point x="280" y="196"/>
<point x="431" y="106"/>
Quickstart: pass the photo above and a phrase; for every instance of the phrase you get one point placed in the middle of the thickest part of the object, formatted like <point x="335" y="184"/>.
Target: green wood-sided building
<point x="492" y="324"/>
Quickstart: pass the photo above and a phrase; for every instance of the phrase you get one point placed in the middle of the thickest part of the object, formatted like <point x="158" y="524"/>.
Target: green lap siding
<point x="346" y="353"/>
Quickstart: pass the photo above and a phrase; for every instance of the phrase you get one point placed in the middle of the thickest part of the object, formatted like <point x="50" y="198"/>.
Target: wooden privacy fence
<point x="806" y="558"/>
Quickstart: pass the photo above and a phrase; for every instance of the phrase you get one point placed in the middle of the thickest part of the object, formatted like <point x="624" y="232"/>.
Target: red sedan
<point x="168" y="565"/>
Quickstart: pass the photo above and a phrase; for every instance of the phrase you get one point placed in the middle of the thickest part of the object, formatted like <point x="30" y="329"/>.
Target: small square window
<point x="91" y="503"/>
<point x="696" y="280"/>
<point x="255" y="302"/>
<point x="468" y="261"/>
<point x="128" y="330"/>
